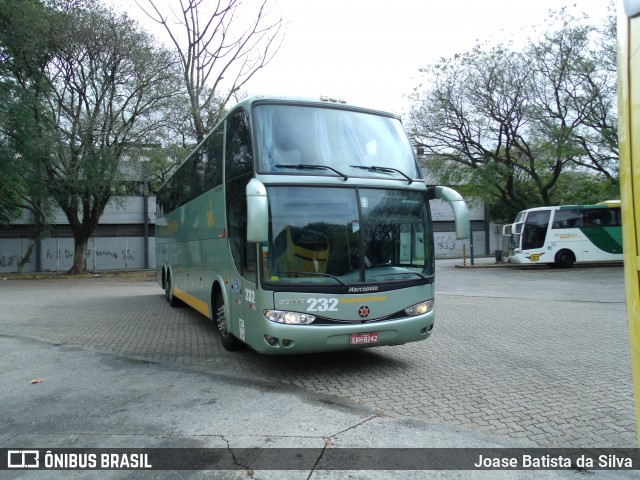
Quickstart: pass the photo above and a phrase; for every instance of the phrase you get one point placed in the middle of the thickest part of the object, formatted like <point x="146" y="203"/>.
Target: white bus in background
<point x="567" y="234"/>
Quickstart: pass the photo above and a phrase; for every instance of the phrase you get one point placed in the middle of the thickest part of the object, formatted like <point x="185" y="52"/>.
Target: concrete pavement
<point x="97" y="392"/>
<point x="91" y="399"/>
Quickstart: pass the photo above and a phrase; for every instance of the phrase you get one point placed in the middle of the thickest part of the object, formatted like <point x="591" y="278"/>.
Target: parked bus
<point x="303" y="226"/>
<point x="567" y="234"/>
<point x="628" y="122"/>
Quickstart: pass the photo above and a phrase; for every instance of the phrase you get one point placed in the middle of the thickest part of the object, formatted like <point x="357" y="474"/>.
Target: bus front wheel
<point x="229" y="342"/>
<point x="565" y="258"/>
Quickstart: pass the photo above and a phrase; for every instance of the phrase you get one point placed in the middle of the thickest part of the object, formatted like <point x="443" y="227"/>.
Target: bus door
<point x="238" y="172"/>
<point x="514" y="232"/>
<point x="243" y="272"/>
<point x="534" y="233"/>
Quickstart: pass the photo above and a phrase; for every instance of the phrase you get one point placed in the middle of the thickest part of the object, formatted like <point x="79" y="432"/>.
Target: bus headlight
<point x="420" y="308"/>
<point x="291" y="318"/>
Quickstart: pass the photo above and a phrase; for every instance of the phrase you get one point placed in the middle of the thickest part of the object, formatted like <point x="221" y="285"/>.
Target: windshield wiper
<point x="426" y="278"/>
<point x="310" y="166"/>
<point x="374" y="168"/>
<point x="318" y="275"/>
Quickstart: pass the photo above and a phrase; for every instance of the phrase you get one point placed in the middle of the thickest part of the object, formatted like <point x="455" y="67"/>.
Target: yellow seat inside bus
<point x="301" y="250"/>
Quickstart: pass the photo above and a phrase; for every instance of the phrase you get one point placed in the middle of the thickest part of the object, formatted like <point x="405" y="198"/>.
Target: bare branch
<point x="217" y="56"/>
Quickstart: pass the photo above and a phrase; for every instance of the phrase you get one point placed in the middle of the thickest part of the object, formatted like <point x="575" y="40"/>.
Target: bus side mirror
<point x="257" y="212"/>
<point x="459" y="207"/>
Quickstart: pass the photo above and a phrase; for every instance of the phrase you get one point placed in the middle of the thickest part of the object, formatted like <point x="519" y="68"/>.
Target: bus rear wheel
<point x="228" y="341"/>
<point x="168" y="292"/>
<point x="565" y="258"/>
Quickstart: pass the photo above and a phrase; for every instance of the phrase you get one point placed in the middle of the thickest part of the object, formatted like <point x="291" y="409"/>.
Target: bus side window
<point x="559" y="219"/>
<point x="598" y="218"/>
<point x="239" y="158"/>
<point x="215" y="150"/>
<point x="196" y="173"/>
<point x="243" y="253"/>
<point x="575" y="219"/>
<point x="616" y="219"/>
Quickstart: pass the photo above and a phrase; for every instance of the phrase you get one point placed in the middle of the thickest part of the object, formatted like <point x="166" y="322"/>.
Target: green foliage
<point x="9" y="198"/>
<point x="585" y="189"/>
<point x="163" y="162"/>
<point x="82" y="86"/>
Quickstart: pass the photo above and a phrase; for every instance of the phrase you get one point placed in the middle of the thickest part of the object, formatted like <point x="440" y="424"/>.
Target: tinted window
<point x="602" y="217"/>
<point x="568" y="219"/>
<point x="333" y="236"/>
<point x="587" y="217"/>
<point x="535" y="229"/>
<point x="201" y="172"/>
<point x="214" y="152"/>
<point x="239" y="158"/>
<point x="243" y="253"/>
<point x="345" y="140"/>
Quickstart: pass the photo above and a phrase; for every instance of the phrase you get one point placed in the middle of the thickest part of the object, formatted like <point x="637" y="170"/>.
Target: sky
<point x="369" y="52"/>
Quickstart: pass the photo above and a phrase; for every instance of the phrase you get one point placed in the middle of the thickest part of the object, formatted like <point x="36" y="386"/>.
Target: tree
<point x="218" y="56"/>
<point x="22" y="139"/>
<point x="98" y="85"/>
<point x="10" y="206"/>
<point x="514" y="126"/>
<point x="21" y="186"/>
<point x="475" y="116"/>
<point x="17" y="194"/>
<point x="574" y="93"/>
<point x="162" y="163"/>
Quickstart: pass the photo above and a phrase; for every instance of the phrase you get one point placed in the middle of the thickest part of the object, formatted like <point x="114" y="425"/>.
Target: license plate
<point x="362" y="338"/>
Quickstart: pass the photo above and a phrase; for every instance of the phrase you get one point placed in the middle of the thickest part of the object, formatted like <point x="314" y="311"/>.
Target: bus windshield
<point x="335" y="141"/>
<point x="346" y="236"/>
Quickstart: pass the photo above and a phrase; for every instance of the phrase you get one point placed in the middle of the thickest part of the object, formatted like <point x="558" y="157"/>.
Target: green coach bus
<point x="303" y="225"/>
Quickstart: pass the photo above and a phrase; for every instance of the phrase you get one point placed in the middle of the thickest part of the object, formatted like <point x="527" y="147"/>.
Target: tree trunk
<point x="79" y="257"/>
<point x="27" y="256"/>
<point x="37" y="230"/>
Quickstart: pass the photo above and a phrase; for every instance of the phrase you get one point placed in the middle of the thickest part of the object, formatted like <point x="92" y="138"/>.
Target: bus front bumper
<point x="281" y="339"/>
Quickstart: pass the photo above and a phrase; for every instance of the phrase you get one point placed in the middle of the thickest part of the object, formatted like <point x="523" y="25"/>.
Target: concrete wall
<point x="448" y="246"/>
<point x="119" y="211"/>
<point x="56" y="254"/>
<point x="104" y="252"/>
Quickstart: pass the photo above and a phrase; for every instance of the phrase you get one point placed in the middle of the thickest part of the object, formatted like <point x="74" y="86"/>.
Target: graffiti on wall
<point x="124" y="254"/>
<point x="67" y="254"/>
<point x="447" y="245"/>
<point x="9" y="260"/>
<point x="446" y="242"/>
<point x="62" y="254"/>
<point x="57" y="254"/>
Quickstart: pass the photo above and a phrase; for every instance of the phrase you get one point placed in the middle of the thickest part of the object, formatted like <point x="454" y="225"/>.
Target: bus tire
<point x="168" y="293"/>
<point x="228" y="341"/>
<point x="565" y="258"/>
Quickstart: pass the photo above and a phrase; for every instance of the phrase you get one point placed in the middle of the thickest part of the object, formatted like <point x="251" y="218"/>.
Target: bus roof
<point x="603" y="204"/>
<point x="321" y="100"/>
<point x="610" y="203"/>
